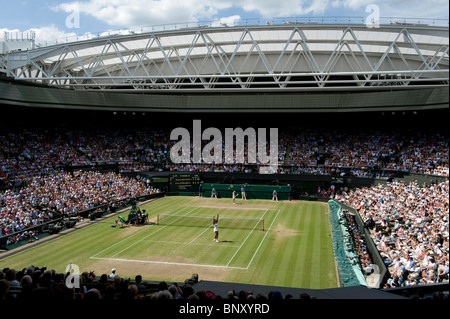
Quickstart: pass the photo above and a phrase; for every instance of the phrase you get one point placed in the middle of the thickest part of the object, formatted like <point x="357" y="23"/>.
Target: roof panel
<point x="226" y="43"/>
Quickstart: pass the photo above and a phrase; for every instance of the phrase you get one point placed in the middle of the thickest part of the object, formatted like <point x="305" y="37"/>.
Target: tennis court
<point x="185" y="238"/>
<point x="260" y="242"/>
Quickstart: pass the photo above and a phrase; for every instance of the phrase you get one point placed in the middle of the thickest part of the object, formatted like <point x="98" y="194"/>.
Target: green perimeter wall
<point x="252" y="191"/>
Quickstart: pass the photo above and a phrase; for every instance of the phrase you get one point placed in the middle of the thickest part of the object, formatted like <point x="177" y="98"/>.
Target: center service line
<point x="262" y="240"/>
<point x="246" y="239"/>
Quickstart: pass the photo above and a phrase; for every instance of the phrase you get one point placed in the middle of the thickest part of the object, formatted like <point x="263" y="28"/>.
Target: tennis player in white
<point x="216" y="228"/>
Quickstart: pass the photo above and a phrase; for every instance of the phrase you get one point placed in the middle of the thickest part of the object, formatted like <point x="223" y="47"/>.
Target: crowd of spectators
<point x="410" y="220"/>
<point x="358" y="243"/>
<point x="63" y="194"/>
<point x="409" y="224"/>
<point x="367" y="154"/>
<point x="426" y="153"/>
<point x="28" y="153"/>
<point x="33" y="152"/>
<point x="41" y="284"/>
<point x="27" y="235"/>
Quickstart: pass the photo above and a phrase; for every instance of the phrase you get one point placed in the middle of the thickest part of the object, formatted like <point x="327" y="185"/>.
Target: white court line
<point x="200" y="234"/>
<point x="184" y="243"/>
<point x="262" y="240"/>
<point x="232" y="207"/>
<point x="128" y="237"/>
<point x="188" y="264"/>
<point x="246" y="238"/>
<point x="154" y="232"/>
<point x="206" y="230"/>
<point x="169" y="263"/>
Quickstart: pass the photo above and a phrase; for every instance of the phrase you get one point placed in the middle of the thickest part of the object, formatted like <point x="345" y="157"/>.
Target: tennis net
<point x="202" y="221"/>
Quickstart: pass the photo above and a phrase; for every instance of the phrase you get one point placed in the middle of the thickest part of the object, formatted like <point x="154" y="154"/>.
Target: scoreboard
<point x="184" y="182"/>
<point x="337" y="180"/>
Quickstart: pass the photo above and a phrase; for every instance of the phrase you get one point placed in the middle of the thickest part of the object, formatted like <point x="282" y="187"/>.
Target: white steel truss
<point x="295" y="57"/>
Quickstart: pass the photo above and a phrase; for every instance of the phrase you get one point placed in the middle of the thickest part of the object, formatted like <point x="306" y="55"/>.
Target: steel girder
<point x="287" y="57"/>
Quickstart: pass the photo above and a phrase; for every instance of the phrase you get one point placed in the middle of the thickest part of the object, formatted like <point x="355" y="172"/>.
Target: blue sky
<point x="49" y="18"/>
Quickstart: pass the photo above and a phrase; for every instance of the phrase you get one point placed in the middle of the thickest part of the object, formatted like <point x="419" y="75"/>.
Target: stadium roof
<point x="290" y="56"/>
<point x="283" y="59"/>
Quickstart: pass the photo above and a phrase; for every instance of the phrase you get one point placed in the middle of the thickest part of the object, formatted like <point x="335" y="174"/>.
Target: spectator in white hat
<point x="113" y="274"/>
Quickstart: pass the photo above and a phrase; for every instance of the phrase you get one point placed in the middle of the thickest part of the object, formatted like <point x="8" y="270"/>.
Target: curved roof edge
<point x="14" y="93"/>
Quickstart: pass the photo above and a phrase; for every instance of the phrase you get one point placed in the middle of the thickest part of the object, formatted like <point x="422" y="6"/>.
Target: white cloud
<point x="137" y="13"/>
<point x="133" y="13"/>
<point x="226" y="21"/>
<point x="388" y="8"/>
<point x="45" y="35"/>
<point x="432" y="9"/>
<point x="353" y="4"/>
<point x="284" y="8"/>
<point x="231" y="20"/>
<point x="52" y="33"/>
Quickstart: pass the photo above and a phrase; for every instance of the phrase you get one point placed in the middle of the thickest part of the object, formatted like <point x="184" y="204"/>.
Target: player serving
<point x="216" y="228"/>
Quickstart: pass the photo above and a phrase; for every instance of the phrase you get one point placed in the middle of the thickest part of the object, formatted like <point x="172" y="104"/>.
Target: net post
<point x="157" y="219"/>
<point x="263" y="224"/>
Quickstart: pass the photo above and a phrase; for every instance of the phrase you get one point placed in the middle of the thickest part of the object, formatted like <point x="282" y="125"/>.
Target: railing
<point x="355" y="20"/>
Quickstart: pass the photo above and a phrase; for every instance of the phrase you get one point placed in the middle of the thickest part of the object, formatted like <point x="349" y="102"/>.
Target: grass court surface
<point x="293" y="250"/>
